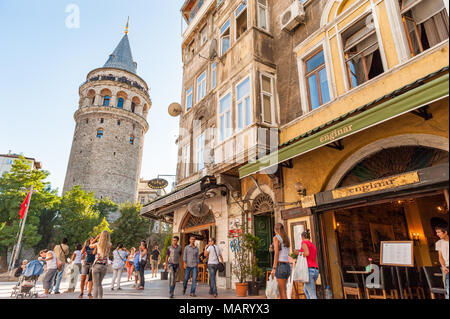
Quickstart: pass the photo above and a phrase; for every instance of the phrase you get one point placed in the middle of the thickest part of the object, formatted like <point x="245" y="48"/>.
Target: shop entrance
<point x="264" y="223"/>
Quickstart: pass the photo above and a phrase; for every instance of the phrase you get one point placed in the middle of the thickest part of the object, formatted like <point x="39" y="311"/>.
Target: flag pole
<point x="21" y="231"/>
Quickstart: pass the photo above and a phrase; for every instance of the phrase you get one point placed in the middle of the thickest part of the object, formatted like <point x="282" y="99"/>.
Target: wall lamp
<point x="300" y="188"/>
<point x="416" y="238"/>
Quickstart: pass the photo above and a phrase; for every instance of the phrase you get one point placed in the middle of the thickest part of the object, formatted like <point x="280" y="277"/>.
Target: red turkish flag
<point x="23" y="207"/>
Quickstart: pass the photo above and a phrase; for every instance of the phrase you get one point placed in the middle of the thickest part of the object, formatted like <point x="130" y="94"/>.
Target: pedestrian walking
<point x="102" y="250"/>
<point x="442" y="248"/>
<point x="76" y="268"/>
<point x="281" y="268"/>
<point x="212" y="251"/>
<point x="120" y="255"/>
<point x="309" y="251"/>
<point x="62" y="253"/>
<point x="52" y="268"/>
<point x="143" y="255"/>
<point x="86" y="268"/>
<point x="156" y="259"/>
<point x="130" y="264"/>
<point x="190" y="264"/>
<point x="173" y="255"/>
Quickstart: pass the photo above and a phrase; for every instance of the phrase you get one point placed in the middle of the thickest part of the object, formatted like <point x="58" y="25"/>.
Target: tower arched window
<point x="106" y="100"/>
<point x="133" y="107"/>
<point x="132" y="140"/>
<point x="100" y="133"/>
<point x="120" y="103"/>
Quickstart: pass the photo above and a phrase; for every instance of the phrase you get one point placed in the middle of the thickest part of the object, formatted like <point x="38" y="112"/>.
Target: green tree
<point x="78" y="217"/>
<point x="130" y="228"/>
<point x="104" y="225"/>
<point x="14" y="186"/>
<point x="105" y="207"/>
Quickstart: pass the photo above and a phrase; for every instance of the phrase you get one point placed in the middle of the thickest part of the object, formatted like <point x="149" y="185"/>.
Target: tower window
<point x="132" y="140"/>
<point x="118" y="122"/>
<point x="120" y="103"/>
<point x="87" y="121"/>
<point x="102" y="121"/>
<point x="133" y="107"/>
<point x="99" y="133"/>
<point x="106" y="100"/>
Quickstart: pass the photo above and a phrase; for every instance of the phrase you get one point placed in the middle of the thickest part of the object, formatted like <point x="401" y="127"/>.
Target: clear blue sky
<point x="42" y="64"/>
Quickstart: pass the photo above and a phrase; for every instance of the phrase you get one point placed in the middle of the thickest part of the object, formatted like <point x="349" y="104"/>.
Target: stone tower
<point x="111" y="122"/>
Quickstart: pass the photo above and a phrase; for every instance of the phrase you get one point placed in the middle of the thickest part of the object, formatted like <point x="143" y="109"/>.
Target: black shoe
<point x="184" y="291"/>
<point x="56" y="293"/>
<point x="112" y="289"/>
<point x="193" y="295"/>
<point x="171" y="297"/>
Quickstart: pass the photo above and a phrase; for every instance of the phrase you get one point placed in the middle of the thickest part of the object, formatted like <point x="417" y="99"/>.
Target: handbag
<point x="289" y="285"/>
<point x="220" y="266"/>
<point x="301" y="271"/>
<point x="59" y="263"/>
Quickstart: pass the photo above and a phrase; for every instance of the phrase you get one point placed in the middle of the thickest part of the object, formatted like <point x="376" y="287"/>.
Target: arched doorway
<point x="202" y="228"/>
<point x="362" y="224"/>
<point x="263" y="220"/>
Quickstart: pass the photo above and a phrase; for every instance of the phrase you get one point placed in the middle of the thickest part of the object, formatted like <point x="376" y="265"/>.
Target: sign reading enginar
<point x="158" y="183"/>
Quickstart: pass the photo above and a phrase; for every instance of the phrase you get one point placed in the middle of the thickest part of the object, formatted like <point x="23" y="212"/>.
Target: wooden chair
<point x="297" y="290"/>
<point x="414" y="283"/>
<point x="435" y="283"/>
<point x="350" y="284"/>
<point x="387" y="285"/>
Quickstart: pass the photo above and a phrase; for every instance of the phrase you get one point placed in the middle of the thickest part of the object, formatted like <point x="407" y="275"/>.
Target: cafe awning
<point x="404" y="100"/>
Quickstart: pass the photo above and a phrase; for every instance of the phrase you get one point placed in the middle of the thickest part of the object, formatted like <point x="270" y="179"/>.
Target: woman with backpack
<point x="119" y="260"/>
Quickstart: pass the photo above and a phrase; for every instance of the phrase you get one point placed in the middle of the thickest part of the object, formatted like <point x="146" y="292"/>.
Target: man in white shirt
<point x="212" y="251"/>
<point x="442" y="248"/>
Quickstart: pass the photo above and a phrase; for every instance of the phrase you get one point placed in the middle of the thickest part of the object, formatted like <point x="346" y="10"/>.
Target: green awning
<point x="348" y="125"/>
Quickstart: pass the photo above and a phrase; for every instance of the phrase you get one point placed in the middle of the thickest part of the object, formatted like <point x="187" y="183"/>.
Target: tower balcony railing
<point x="121" y="79"/>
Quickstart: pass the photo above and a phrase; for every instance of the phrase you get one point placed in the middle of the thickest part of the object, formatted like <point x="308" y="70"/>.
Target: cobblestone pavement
<point x="154" y="289"/>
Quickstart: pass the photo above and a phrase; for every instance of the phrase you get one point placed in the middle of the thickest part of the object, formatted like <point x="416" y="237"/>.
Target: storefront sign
<point x="158" y="183"/>
<point x="378" y="185"/>
<point x="179" y="195"/>
<point x="397" y="253"/>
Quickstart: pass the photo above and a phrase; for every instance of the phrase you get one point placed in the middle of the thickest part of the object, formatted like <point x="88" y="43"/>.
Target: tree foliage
<point x="14" y="186"/>
<point x="130" y="228"/>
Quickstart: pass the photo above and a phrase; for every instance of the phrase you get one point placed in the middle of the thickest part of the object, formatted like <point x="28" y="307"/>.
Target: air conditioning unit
<point x="293" y="16"/>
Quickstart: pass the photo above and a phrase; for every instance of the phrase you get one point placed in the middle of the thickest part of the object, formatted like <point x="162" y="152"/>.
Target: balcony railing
<point x="117" y="79"/>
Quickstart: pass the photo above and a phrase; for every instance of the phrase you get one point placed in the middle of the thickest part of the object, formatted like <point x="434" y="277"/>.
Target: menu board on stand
<point x="397" y="253"/>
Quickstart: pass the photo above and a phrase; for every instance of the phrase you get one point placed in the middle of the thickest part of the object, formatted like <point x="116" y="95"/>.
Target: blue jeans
<point x="446" y="285"/>
<point x="310" y="286"/>
<point x="173" y="272"/>
<point x="58" y="276"/>
<point x="187" y="272"/>
<point x="212" y="270"/>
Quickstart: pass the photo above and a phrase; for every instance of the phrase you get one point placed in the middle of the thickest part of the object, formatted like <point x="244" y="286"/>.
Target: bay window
<point x="201" y="86"/>
<point x="225" y="117"/>
<point x="225" y="38"/>
<point x="262" y="15"/>
<point x="267" y="109"/>
<point x="243" y="104"/>
<point x="241" y="19"/>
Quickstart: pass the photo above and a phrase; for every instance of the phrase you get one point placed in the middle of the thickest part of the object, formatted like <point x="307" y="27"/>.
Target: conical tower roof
<point x="122" y="58"/>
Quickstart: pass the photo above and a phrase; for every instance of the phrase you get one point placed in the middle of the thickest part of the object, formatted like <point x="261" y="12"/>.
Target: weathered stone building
<point x="111" y="122"/>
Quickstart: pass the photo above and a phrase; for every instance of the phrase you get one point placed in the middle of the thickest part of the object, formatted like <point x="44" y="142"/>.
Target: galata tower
<point x="111" y="122"/>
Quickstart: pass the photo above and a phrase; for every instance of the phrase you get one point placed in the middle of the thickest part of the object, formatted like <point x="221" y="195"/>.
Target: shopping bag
<point x="272" y="288"/>
<point x="289" y="287"/>
<point x="301" y="272"/>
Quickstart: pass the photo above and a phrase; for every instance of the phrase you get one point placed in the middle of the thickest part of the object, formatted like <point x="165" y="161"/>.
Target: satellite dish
<point x="175" y="109"/>
<point x="197" y="208"/>
<point x="213" y="49"/>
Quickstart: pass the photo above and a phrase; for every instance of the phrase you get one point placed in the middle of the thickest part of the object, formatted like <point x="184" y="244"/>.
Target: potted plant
<point x="241" y="266"/>
<point x="167" y="243"/>
<point x="252" y="243"/>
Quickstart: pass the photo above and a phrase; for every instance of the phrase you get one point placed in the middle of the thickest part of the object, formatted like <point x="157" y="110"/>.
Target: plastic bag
<point x="301" y="272"/>
<point x="272" y="288"/>
<point x="289" y="287"/>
